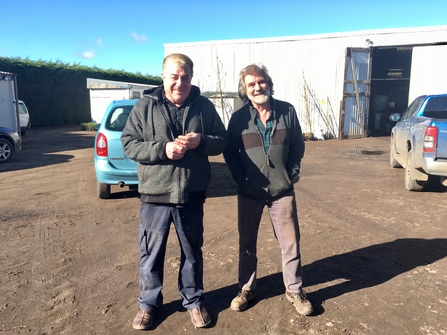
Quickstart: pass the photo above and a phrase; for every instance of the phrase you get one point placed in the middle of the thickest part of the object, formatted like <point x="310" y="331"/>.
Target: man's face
<point x="176" y="82"/>
<point x="258" y="91"/>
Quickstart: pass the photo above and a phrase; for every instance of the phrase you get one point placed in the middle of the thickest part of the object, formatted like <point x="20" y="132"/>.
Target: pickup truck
<point x="419" y="141"/>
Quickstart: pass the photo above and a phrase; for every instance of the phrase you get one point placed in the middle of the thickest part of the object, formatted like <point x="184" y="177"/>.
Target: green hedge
<point x="56" y="93"/>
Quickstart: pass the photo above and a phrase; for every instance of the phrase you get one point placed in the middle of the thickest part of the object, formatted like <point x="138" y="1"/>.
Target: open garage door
<point x="356" y="93"/>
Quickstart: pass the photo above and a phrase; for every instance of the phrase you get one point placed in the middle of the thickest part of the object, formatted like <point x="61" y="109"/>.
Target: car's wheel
<point x="6" y="150"/>
<point x="393" y="162"/>
<point x="103" y="190"/>
<point x="411" y="184"/>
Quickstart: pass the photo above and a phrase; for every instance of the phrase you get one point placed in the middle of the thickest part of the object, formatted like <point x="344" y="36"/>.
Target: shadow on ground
<point x="359" y="269"/>
<point x="42" y="147"/>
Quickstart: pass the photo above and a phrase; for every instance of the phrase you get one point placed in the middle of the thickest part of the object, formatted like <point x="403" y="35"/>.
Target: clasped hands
<point x="176" y="150"/>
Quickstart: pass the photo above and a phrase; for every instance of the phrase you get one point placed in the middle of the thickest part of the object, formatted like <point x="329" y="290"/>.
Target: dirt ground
<point x="374" y="254"/>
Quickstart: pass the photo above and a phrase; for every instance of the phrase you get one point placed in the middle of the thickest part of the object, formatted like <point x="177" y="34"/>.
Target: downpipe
<point x="121" y="184"/>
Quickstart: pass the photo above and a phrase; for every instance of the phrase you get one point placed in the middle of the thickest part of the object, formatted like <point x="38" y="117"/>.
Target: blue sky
<point x="129" y="35"/>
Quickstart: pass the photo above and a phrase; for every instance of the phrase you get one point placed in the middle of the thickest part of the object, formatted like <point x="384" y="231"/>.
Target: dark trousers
<point x="284" y="218"/>
<point x="155" y="221"/>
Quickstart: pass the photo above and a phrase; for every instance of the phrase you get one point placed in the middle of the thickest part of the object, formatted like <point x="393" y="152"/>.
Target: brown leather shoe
<point x="143" y="320"/>
<point x="200" y="317"/>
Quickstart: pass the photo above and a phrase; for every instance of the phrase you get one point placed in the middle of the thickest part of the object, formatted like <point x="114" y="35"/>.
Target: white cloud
<point x="89" y="54"/>
<point x="139" y="38"/>
<point x="99" y="42"/>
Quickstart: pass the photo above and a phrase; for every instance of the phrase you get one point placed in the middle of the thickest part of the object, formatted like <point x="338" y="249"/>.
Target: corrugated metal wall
<point x="429" y="71"/>
<point x="307" y="71"/>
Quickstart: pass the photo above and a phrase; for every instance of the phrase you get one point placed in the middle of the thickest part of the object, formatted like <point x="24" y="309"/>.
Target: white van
<point x="25" y="121"/>
<point x="10" y="140"/>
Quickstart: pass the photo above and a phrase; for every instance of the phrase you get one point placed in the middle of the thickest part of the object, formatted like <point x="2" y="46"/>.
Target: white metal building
<point x="103" y="92"/>
<point x="345" y="84"/>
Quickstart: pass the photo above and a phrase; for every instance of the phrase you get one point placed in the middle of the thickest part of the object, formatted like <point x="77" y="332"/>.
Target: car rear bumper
<point x="107" y="174"/>
<point x="434" y="167"/>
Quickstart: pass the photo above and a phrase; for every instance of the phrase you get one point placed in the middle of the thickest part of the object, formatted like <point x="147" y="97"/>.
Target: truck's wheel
<point x="103" y="190"/>
<point x="6" y="150"/>
<point x="411" y="184"/>
<point x="393" y="162"/>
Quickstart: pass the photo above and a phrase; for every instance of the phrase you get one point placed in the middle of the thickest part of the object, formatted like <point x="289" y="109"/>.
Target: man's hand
<point x="189" y="141"/>
<point x="175" y="151"/>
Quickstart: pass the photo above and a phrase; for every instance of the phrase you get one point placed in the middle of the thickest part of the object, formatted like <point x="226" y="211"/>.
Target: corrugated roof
<point x="442" y="30"/>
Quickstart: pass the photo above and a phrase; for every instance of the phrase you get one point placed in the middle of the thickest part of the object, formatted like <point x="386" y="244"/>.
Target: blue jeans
<point x="284" y="219"/>
<point x="155" y="221"/>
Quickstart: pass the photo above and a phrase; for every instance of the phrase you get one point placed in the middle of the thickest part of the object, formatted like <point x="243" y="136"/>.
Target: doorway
<point x="390" y="85"/>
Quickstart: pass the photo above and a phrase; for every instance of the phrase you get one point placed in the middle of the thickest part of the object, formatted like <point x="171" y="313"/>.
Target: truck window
<point x="436" y="108"/>
<point x="412" y="109"/>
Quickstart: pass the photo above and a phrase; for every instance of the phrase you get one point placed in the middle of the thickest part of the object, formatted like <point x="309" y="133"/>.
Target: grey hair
<point x="252" y="69"/>
<point x="181" y="59"/>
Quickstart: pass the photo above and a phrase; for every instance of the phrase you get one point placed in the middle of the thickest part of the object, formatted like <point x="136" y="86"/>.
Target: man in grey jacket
<point x="264" y="151"/>
<point x="170" y="132"/>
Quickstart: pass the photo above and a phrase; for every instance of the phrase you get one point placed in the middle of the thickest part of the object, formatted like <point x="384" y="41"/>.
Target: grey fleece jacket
<point x="257" y="174"/>
<point x="144" y="139"/>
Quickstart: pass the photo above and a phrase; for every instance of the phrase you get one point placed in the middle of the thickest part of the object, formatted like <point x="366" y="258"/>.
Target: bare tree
<point x="220" y="100"/>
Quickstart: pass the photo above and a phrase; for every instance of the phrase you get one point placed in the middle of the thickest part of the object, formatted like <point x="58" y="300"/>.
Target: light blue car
<point x="111" y="165"/>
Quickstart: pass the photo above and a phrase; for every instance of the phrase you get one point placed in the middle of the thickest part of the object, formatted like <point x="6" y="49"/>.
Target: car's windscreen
<point x="22" y="109"/>
<point x="436" y="108"/>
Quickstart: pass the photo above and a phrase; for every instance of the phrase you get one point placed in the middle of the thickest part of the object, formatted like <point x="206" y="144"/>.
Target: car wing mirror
<point x="395" y="117"/>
